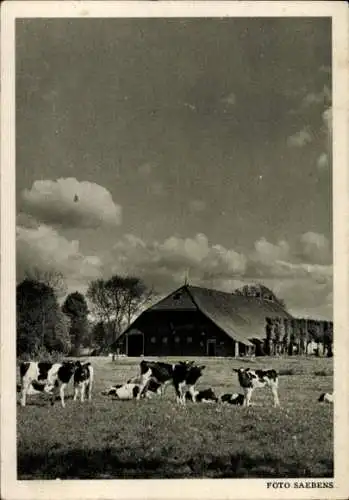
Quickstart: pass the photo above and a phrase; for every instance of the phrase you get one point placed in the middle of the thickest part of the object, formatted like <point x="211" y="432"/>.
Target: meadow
<point x="156" y="438"/>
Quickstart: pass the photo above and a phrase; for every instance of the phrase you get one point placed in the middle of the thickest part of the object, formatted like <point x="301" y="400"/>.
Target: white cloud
<point x="145" y="169"/>
<point x="300" y="139"/>
<point x="315" y="248"/>
<point x="322" y="161"/>
<point x="230" y="99"/>
<point x="70" y="203"/>
<point x="300" y="273"/>
<point x="313" y="98"/>
<point x="197" y="205"/>
<point x="157" y="188"/>
<point x="45" y="249"/>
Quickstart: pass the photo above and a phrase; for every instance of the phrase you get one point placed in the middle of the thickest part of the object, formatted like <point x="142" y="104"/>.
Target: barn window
<point x="189" y="340"/>
<point x="164" y="340"/>
<point x="153" y="340"/>
<point x="177" y="339"/>
<point x="177" y="296"/>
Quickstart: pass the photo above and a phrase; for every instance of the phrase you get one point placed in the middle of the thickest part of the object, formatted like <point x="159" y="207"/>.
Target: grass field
<point x="108" y="439"/>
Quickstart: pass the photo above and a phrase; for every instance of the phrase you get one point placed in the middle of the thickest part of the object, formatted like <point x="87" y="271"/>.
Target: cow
<point x="181" y="375"/>
<point x="233" y="399"/>
<point x="249" y="380"/>
<point x="130" y="390"/>
<point x="326" y="397"/>
<point x="83" y="380"/>
<point x="204" y="396"/>
<point x="123" y="391"/>
<point x="45" y="377"/>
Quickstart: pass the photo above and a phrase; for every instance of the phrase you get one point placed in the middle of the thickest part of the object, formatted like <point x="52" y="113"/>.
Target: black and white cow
<point x="45" y="377"/>
<point x="233" y="399"/>
<point x="250" y="380"/>
<point x="130" y="390"/>
<point x="126" y="391"/>
<point x="83" y="380"/>
<point x="182" y="375"/>
<point x="326" y="397"/>
<point x="204" y="396"/>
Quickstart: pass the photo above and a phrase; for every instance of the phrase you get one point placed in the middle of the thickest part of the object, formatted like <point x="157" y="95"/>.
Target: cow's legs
<point x="274" y="390"/>
<point x="248" y="394"/>
<point x="76" y="392"/>
<point x="82" y="391"/>
<point x="90" y="390"/>
<point x="179" y="388"/>
<point x="61" y="393"/>
<point x="192" y="392"/>
<point x="145" y="377"/>
<point x="24" y="390"/>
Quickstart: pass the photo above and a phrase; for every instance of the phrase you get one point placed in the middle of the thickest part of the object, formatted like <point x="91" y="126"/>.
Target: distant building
<point x="194" y="321"/>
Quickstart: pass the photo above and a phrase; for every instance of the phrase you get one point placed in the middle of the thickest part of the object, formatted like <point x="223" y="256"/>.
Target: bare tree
<point x="117" y="301"/>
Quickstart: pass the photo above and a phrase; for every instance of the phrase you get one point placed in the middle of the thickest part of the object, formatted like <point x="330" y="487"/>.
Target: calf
<point x="326" y="397"/>
<point x="123" y="391"/>
<point x="252" y="379"/>
<point x="181" y="375"/>
<point x="130" y="390"/>
<point x="233" y="399"/>
<point x="205" y="396"/>
<point x="45" y="377"/>
<point x="83" y="379"/>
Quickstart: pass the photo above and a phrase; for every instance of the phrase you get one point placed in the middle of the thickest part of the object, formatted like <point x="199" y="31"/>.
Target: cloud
<point x="157" y="188"/>
<point x="230" y="99"/>
<point x="197" y="205"/>
<point x="300" y="273"/>
<point x="322" y="161"/>
<point x="45" y="249"/>
<point x="286" y="269"/>
<point x="300" y="139"/>
<point x="314" y="98"/>
<point x="165" y="264"/>
<point x="145" y="169"/>
<point x="315" y="248"/>
<point x="70" y="203"/>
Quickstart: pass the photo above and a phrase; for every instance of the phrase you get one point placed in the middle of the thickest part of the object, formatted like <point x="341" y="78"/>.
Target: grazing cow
<point x="205" y="396"/>
<point x="252" y="379"/>
<point x="233" y="399"/>
<point x="181" y="375"/>
<point x="83" y="380"/>
<point x="326" y="397"/>
<point x="45" y="377"/>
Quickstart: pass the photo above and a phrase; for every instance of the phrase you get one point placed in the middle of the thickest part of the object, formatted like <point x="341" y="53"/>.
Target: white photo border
<point x="191" y="488"/>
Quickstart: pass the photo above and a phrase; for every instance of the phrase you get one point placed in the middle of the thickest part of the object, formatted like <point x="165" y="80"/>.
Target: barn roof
<point x="242" y="318"/>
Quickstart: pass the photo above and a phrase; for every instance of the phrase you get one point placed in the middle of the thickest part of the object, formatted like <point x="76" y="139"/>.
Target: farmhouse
<point x="195" y="321"/>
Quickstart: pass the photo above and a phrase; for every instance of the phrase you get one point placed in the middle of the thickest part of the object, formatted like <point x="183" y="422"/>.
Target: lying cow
<point x="233" y="399"/>
<point x="45" y="377"/>
<point x="326" y="397"/>
<point x="83" y="380"/>
<point x="249" y="380"/>
<point x="123" y="391"/>
<point x="182" y="375"/>
<point x="130" y="390"/>
<point x="204" y="396"/>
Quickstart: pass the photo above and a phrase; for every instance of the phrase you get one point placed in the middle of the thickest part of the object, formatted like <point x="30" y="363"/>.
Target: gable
<point x="179" y="300"/>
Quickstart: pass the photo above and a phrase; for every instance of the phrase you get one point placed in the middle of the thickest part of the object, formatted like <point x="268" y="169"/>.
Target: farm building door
<point x="135" y="344"/>
<point x="211" y="347"/>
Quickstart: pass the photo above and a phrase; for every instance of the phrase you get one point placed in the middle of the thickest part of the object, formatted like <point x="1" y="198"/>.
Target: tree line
<point x="45" y="326"/>
<point x="293" y="336"/>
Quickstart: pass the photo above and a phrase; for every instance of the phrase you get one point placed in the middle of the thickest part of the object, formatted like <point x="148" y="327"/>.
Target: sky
<point x="166" y="148"/>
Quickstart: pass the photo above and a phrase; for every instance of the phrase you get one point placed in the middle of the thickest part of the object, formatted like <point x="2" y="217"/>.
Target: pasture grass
<point x="156" y="438"/>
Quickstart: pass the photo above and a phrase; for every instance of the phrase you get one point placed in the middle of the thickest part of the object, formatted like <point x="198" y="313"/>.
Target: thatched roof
<point x="242" y="318"/>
